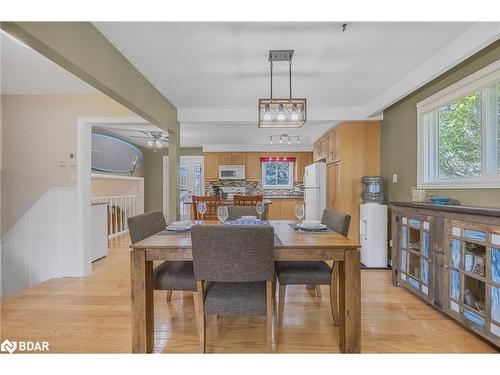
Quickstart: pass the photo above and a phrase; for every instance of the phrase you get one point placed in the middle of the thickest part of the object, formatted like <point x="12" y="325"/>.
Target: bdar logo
<point x="8" y="346"/>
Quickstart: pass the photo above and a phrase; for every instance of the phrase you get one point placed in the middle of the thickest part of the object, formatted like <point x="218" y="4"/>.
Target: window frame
<point x="290" y="175"/>
<point x="427" y="134"/>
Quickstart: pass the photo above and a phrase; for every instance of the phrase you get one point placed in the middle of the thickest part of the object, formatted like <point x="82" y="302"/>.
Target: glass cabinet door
<point x="415" y="253"/>
<point x="473" y="277"/>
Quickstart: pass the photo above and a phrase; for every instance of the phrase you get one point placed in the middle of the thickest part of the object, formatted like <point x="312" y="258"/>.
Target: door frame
<point x="165" y="178"/>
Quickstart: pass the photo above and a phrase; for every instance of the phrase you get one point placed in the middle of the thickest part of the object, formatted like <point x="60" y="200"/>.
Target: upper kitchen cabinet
<point x="231" y="158"/>
<point x="333" y="146"/>
<point x="303" y="159"/>
<point x="225" y="158"/>
<point x="253" y="166"/>
<point x="320" y="149"/>
<point x="211" y="166"/>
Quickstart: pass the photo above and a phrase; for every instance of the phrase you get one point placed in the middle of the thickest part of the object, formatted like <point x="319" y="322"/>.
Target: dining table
<point x="290" y="245"/>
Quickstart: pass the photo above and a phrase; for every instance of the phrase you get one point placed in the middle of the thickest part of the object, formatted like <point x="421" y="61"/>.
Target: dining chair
<point x="169" y="276"/>
<point x="212" y="202"/>
<point x="234" y="269"/>
<point x="236" y="212"/>
<point x="316" y="272"/>
<point x="246" y="200"/>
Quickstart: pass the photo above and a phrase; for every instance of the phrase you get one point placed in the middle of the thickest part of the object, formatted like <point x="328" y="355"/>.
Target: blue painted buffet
<point x="449" y="256"/>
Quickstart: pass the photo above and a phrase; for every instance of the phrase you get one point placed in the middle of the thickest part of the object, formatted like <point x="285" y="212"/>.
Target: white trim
<point x="84" y="179"/>
<point x="165" y="188"/>
<point x="103" y="176"/>
<point x="427" y="135"/>
<point x="470" y="42"/>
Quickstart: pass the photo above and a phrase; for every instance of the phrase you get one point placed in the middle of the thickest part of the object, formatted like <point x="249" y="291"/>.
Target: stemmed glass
<point x="260" y="208"/>
<point x="202" y="209"/>
<point x="299" y="212"/>
<point x="222" y="213"/>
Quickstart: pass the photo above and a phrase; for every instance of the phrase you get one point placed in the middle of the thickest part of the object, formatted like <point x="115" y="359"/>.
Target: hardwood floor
<point x="93" y="315"/>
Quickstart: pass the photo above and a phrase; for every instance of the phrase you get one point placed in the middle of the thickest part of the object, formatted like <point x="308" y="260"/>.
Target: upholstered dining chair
<point x="246" y="200"/>
<point x="236" y="212"/>
<point x="169" y="276"/>
<point x="315" y="272"/>
<point x="234" y="269"/>
<point x="212" y="203"/>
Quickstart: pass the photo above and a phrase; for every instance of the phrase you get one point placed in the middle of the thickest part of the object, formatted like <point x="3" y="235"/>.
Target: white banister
<point x="120" y="208"/>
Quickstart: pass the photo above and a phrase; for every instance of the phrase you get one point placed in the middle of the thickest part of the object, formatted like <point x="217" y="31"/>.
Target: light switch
<point x="71" y="159"/>
<point x="395" y="178"/>
<point x="62" y="161"/>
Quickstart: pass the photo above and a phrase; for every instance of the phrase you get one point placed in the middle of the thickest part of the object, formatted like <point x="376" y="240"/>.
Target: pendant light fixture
<point x="277" y="112"/>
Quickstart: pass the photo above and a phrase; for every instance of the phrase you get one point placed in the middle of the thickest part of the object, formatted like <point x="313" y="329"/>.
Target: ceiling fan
<point x="156" y="138"/>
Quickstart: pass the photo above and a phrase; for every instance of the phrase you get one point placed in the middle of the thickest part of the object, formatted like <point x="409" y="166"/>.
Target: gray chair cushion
<point x="145" y="225"/>
<point x="235" y="298"/>
<point x="178" y="275"/>
<point x="236" y="212"/>
<point x="336" y="221"/>
<point x="303" y="273"/>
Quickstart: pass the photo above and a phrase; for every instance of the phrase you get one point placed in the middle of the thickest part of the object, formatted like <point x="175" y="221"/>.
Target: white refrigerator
<point x="315" y="190"/>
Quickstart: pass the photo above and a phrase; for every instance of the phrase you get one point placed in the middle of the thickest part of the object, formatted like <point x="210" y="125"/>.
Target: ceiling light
<point x="282" y="113"/>
<point x="158" y="143"/>
<point x="151" y="143"/>
<point x="280" y="139"/>
<point x="271" y="138"/>
<point x="298" y="140"/>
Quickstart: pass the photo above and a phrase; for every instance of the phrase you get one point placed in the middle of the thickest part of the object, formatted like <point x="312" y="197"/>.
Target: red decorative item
<point x="290" y="159"/>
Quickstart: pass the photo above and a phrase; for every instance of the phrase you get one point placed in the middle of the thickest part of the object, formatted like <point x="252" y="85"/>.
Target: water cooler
<point x="373" y="224"/>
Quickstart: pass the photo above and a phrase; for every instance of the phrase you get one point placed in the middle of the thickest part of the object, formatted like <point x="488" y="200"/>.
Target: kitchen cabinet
<point x="238" y="158"/>
<point x="283" y="208"/>
<point x="253" y="167"/>
<point x="302" y="160"/>
<point x="211" y="166"/>
<point x="355" y="153"/>
<point x="320" y="149"/>
<point x="225" y="158"/>
<point x="333" y="148"/>
<point x="449" y="256"/>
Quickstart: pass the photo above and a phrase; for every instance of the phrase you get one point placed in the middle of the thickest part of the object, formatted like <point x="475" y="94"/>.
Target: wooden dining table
<point x="290" y="244"/>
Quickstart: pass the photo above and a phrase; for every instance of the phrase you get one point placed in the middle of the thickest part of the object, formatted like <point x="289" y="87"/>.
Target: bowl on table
<point x="440" y="200"/>
<point x="179" y="226"/>
<point x="310" y="225"/>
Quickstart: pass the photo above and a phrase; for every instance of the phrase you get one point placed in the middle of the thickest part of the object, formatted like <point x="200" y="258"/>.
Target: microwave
<point x="231" y="172"/>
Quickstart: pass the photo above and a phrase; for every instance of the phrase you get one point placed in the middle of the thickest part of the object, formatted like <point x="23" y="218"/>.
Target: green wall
<point x="153" y="180"/>
<point x="399" y="137"/>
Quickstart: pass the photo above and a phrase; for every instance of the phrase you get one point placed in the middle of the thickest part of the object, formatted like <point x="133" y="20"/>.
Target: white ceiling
<point x="26" y="72"/>
<point x="215" y="72"/>
<point x="129" y="131"/>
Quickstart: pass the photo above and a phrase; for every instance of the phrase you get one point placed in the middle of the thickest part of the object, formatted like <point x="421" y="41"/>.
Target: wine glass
<point x="260" y="208"/>
<point x="222" y="213"/>
<point x="202" y="209"/>
<point x="299" y="212"/>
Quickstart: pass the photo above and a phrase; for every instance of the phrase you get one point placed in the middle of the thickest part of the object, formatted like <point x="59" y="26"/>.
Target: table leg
<point x="350" y="302"/>
<point x="141" y="276"/>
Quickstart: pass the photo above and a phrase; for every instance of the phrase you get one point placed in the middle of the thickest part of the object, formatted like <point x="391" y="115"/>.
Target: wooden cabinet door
<point x="238" y="158"/>
<point x="333" y="186"/>
<point x="287" y="209"/>
<point x="225" y="158"/>
<point x="332" y="147"/>
<point x="253" y="166"/>
<point x="274" y="210"/>
<point x="211" y="166"/>
<point x="302" y="160"/>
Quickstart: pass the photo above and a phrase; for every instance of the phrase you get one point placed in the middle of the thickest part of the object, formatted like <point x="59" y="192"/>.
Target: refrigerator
<point x="315" y="190"/>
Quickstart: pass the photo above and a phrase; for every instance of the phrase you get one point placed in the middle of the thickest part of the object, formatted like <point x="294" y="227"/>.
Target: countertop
<point x="485" y="211"/>
<point x="267" y="199"/>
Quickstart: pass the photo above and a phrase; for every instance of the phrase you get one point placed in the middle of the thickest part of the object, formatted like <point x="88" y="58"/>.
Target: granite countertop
<point x="284" y="196"/>
<point x="487" y="211"/>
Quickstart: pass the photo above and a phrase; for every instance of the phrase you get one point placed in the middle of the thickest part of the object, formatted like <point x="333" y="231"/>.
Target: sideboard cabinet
<point x="449" y="256"/>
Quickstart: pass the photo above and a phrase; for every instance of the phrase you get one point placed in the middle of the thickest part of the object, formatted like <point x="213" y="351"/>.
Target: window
<point x="277" y="175"/>
<point x="459" y="133"/>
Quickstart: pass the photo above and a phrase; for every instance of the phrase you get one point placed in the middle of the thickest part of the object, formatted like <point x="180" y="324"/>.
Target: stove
<point x="229" y="192"/>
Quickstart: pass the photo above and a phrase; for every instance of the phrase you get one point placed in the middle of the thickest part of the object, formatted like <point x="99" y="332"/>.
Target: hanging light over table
<point x="282" y="113"/>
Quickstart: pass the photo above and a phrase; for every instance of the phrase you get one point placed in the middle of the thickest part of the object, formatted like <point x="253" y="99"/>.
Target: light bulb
<point x="280" y="140"/>
<point x="281" y="115"/>
<point x="271" y="138"/>
<point x="267" y="114"/>
<point x="289" y="141"/>
<point x="151" y="143"/>
<point x="298" y="140"/>
<point x="158" y="143"/>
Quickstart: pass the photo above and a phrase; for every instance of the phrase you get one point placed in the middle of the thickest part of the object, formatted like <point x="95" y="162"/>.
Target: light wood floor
<point x="93" y="315"/>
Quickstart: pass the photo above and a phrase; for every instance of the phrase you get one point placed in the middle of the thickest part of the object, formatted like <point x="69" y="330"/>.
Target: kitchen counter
<point x="297" y="196"/>
<point x="485" y="211"/>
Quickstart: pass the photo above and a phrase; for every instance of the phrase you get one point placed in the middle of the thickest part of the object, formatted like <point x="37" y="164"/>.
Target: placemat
<point x="324" y="230"/>
<point x="172" y="232"/>
<point x="248" y="222"/>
